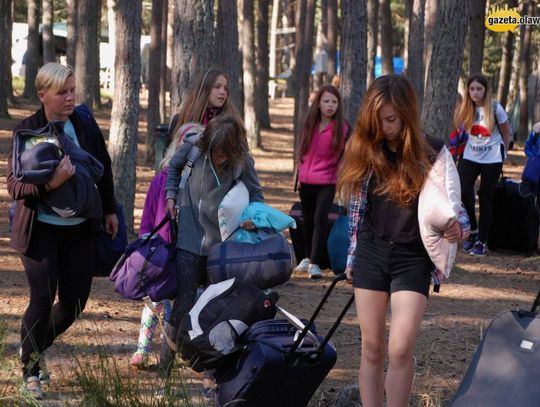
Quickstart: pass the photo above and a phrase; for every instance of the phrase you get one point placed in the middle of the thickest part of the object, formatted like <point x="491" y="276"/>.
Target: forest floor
<point x="106" y="334"/>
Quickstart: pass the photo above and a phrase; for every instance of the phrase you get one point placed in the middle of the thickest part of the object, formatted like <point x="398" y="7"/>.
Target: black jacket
<point x="27" y="196"/>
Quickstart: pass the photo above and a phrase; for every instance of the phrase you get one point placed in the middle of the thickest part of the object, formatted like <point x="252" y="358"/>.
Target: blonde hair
<point x="176" y="141"/>
<point x="52" y="77"/>
<point x="465" y="116"/>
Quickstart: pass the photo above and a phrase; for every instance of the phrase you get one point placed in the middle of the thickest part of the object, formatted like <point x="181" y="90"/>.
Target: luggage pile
<point x="257" y="360"/>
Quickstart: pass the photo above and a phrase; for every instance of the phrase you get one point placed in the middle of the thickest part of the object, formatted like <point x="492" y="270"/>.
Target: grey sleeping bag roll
<point x="265" y="264"/>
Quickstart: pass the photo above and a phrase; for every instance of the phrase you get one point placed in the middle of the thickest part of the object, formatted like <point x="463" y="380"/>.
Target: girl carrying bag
<point x="148" y="267"/>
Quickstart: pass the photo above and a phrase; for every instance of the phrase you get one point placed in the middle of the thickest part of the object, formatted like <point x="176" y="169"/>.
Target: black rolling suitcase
<point x="282" y="362"/>
<point x="515" y="218"/>
<point x="505" y="369"/>
<point x="297" y="235"/>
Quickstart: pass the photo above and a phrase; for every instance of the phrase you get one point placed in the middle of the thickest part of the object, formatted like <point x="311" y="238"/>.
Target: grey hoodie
<point x="206" y="187"/>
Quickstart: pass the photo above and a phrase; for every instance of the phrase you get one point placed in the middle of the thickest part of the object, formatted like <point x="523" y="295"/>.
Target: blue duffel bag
<point x="265" y="264"/>
<point x="338" y="244"/>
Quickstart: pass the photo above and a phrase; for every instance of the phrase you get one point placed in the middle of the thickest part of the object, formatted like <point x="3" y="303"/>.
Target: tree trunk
<point x="111" y="21"/>
<point x="163" y="82"/>
<point x="125" y="110"/>
<point x="353" y="56"/>
<point x="32" y="51"/>
<point x="87" y="56"/>
<point x="524" y="71"/>
<point x="332" y="33"/>
<point x="227" y="52"/>
<point x="6" y="28"/>
<point x="193" y="45"/>
<point x="272" y="63"/>
<point x="445" y="67"/>
<point x="154" y="77"/>
<point x="429" y="29"/>
<point x="387" y="52"/>
<point x="415" y="60"/>
<point x="536" y="110"/>
<point x="261" y="57"/>
<point x="71" y="32"/>
<point x="47" y="33"/>
<point x="506" y="68"/>
<point x="247" y="41"/>
<point x="372" y="37"/>
<point x="305" y="16"/>
<point x="477" y="33"/>
<point x="513" y="87"/>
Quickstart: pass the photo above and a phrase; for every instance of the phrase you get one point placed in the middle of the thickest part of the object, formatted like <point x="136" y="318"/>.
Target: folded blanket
<point x="37" y="153"/>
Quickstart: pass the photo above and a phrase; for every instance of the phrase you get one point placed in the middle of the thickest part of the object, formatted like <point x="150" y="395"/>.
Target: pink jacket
<point x="319" y="165"/>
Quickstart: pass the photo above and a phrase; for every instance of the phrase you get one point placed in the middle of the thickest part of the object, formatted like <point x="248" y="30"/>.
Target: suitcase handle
<point x="536" y="302"/>
<point x="304" y="332"/>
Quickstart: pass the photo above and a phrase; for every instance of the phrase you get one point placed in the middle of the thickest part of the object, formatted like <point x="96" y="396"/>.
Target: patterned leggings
<point x="149" y="322"/>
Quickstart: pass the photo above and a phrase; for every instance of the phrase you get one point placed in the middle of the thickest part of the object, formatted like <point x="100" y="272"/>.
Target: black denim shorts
<point x="386" y="266"/>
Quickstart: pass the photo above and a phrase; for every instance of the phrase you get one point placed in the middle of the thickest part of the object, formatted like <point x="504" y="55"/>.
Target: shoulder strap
<point x="192" y="156"/>
<point x="494" y="106"/>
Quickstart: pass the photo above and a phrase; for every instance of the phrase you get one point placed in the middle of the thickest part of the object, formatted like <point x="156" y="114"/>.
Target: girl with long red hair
<point x="384" y="168"/>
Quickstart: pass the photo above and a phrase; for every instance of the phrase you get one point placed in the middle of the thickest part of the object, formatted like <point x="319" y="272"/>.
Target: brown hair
<point x="196" y="101"/>
<point x="227" y="134"/>
<point x="465" y="115"/>
<point x="403" y="180"/>
<point x="313" y="118"/>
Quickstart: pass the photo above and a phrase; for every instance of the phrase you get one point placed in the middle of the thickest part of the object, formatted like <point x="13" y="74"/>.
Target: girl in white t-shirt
<point x="489" y="135"/>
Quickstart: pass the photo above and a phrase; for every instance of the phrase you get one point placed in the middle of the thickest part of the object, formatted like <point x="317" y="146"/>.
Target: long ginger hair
<point x="466" y="113"/>
<point x="403" y="180"/>
<point x="313" y="119"/>
<point x="196" y="102"/>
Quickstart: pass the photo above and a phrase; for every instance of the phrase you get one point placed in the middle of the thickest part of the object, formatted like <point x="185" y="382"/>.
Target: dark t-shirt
<point x="386" y="218"/>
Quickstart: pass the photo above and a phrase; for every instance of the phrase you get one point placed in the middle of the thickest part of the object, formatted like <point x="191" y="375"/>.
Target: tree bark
<point x="261" y="61"/>
<point x="87" y="54"/>
<point x="247" y="41"/>
<point x="154" y="77"/>
<point x="111" y="21"/>
<point x="477" y="33"/>
<point x="125" y="110"/>
<point x="193" y="45"/>
<point x="513" y="87"/>
<point x="415" y="59"/>
<point x="32" y="51"/>
<point x="429" y="29"/>
<point x="524" y="71"/>
<point x="228" y="56"/>
<point x="71" y="32"/>
<point x="372" y="38"/>
<point x="387" y="52"/>
<point x="445" y="67"/>
<point x="47" y="33"/>
<point x="332" y="33"/>
<point x="6" y="28"/>
<point x="305" y="16"/>
<point x="163" y="82"/>
<point x="506" y="68"/>
<point x="353" y="56"/>
<point x="536" y="110"/>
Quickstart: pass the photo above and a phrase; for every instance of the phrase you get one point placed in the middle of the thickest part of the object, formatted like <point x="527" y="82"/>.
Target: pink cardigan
<point x="320" y="164"/>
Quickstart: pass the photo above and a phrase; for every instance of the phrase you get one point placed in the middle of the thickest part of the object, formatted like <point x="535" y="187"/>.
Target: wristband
<point x="49" y="186"/>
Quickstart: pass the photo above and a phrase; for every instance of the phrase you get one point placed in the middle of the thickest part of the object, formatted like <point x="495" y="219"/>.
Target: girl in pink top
<point x="321" y="147"/>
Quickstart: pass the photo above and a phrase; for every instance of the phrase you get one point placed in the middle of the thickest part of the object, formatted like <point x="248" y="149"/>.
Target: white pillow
<point x="230" y="209"/>
<point x="438" y="207"/>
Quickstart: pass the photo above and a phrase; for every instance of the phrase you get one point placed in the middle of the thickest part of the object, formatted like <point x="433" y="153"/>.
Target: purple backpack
<point x="148" y="267"/>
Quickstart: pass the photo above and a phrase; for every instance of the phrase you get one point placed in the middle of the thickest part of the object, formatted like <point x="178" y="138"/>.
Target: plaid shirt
<point x="357" y="213"/>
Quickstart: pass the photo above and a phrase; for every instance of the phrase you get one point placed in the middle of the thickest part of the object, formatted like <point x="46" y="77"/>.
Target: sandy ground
<point x="478" y="290"/>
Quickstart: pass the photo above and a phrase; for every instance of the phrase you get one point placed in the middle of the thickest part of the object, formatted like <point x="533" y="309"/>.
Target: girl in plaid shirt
<point x="384" y="168"/>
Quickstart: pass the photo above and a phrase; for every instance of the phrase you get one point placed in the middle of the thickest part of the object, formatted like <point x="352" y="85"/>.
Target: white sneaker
<point x="314" y="271"/>
<point x="303" y="265"/>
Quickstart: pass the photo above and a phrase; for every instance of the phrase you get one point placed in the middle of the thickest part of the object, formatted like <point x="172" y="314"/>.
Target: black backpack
<point x="210" y="333"/>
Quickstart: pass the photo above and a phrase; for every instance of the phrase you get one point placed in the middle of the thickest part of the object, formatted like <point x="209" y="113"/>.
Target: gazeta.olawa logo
<point x="507" y="19"/>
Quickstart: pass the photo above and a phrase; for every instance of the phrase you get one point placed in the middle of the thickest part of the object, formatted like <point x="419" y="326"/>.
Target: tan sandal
<point x="32" y="385"/>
